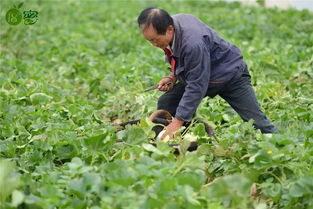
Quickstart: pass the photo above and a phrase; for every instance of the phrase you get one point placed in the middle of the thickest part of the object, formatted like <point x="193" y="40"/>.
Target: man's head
<point x="156" y="26"/>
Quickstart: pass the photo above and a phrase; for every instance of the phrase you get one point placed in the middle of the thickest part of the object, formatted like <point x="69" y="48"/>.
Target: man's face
<point x="161" y="41"/>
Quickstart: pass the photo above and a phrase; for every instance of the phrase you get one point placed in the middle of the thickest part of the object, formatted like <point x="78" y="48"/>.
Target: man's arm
<point x="197" y="71"/>
<point x="197" y="74"/>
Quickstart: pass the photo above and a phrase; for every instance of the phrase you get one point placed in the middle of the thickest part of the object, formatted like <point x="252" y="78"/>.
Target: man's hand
<point x="167" y="83"/>
<point x="175" y="125"/>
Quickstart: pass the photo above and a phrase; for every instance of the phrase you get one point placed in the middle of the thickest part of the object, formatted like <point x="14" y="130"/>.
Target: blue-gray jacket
<point x="202" y="57"/>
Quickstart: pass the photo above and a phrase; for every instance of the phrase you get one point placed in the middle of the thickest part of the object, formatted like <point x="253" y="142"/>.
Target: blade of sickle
<point x="155" y="87"/>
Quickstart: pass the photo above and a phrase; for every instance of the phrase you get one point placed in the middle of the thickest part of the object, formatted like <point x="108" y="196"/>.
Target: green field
<point x="82" y="67"/>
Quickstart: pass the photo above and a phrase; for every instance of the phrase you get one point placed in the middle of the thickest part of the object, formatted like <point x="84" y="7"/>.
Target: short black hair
<point x="159" y="18"/>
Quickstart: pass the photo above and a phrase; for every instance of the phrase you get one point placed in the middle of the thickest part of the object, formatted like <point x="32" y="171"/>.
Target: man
<point x="204" y="64"/>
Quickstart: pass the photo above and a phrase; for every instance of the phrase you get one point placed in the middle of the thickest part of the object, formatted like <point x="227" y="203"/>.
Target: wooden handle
<point x="157" y="113"/>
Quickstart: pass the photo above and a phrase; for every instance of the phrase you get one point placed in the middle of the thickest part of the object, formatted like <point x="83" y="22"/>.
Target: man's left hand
<point x="175" y="125"/>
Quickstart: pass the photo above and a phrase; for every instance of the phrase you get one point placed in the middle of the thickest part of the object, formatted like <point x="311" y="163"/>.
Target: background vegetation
<point x="82" y="67"/>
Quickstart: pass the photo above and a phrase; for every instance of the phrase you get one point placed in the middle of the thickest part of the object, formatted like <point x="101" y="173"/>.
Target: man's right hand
<point x="166" y="83"/>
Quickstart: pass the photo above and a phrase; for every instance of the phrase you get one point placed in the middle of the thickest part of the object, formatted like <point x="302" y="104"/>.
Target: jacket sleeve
<point x="197" y="73"/>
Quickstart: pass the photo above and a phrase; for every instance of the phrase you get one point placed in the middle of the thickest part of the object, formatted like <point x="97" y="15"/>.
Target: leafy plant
<point x="68" y="79"/>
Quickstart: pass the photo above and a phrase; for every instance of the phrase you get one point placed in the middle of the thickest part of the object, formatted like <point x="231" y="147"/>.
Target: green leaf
<point x="199" y="129"/>
<point x="167" y="185"/>
<point x="120" y="173"/>
<point x="195" y="180"/>
<point x="296" y="190"/>
<point x="17" y="198"/>
<point x="272" y="190"/>
<point x="235" y="187"/>
<point x="20" y="5"/>
<point x="184" y="145"/>
<point x="189" y="194"/>
<point x="75" y="163"/>
<point x="48" y="191"/>
<point x="151" y="148"/>
<point x="190" y="160"/>
<point x="219" y="150"/>
<point x="77" y="187"/>
<point x="261" y="206"/>
<point x="40" y="98"/>
<point x="67" y="151"/>
<point x="94" y="143"/>
<point x="204" y="149"/>
<point x="92" y="180"/>
<point x="8" y="179"/>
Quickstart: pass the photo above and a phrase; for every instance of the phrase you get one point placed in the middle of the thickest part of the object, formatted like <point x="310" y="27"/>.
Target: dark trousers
<point x="238" y="92"/>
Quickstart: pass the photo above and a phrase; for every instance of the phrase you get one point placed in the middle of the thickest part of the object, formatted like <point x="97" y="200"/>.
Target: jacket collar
<point x="178" y="39"/>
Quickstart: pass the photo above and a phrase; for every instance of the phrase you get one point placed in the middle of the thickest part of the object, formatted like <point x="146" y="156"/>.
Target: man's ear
<point x="170" y="28"/>
<point x="143" y="27"/>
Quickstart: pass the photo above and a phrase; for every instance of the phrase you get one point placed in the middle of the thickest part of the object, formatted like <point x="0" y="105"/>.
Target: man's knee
<point x="169" y="100"/>
<point x="163" y="101"/>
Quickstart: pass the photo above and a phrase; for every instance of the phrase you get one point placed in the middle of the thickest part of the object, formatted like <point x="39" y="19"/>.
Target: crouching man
<point x="204" y="64"/>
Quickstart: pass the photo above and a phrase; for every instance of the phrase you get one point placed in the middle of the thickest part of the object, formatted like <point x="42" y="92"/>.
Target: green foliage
<point x="9" y="181"/>
<point x="233" y="190"/>
<point x="66" y="80"/>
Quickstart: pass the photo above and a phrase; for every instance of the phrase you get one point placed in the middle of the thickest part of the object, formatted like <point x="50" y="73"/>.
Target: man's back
<point x="226" y="59"/>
